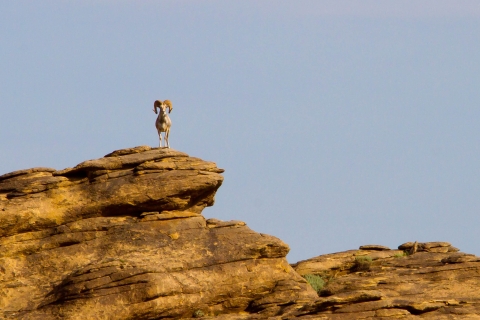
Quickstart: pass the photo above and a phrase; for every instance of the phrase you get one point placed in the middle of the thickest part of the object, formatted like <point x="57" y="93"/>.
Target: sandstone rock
<point x="122" y="237"/>
<point x="413" y="247"/>
<point x="24" y="172"/>
<point x="374" y="247"/>
<point x="408" y="245"/>
<point x="429" y="284"/>
<point x="428" y="245"/>
<point x="124" y="152"/>
<point x="460" y="258"/>
<point x="215" y="223"/>
<point x="93" y="188"/>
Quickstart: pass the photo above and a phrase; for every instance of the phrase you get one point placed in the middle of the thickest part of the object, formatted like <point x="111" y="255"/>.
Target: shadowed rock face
<point x="122" y="237"/>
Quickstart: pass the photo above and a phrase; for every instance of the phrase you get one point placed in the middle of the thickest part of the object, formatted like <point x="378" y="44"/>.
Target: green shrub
<point x="401" y="255"/>
<point x="362" y="263"/>
<point x="198" y="314"/>
<point x="315" y="281"/>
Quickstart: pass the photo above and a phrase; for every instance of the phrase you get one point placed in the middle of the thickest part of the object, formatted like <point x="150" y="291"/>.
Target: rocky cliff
<point x="430" y="280"/>
<point x="122" y="237"/>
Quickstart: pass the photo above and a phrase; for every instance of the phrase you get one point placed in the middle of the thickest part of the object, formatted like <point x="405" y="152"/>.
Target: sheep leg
<point x="166" y="138"/>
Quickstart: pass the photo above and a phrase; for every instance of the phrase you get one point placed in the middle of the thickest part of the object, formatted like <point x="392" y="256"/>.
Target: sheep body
<point x="163" y="122"/>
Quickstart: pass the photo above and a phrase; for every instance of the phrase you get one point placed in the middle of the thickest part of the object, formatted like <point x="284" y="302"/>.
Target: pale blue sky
<point x="339" y="123"/>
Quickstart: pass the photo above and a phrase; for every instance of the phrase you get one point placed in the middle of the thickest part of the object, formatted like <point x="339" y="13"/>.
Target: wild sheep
<point x="163" y="122"/>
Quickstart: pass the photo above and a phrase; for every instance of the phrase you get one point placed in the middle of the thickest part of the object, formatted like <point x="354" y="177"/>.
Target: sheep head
<point x="159" y="104"/>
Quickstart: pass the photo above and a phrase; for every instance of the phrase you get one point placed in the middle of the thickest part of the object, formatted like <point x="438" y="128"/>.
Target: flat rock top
<point x="426" y="245"/>
<point x="121" y="159"/>
<point x="18" y="173"/>
<point x="374" y="247"/>
<point x="123" y="152"/>
<point x="114" y="160"/>
<point x="134" y="180"/>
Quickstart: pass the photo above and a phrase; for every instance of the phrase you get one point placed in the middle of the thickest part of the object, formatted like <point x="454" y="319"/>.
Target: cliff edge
<point x="123" y="237"/>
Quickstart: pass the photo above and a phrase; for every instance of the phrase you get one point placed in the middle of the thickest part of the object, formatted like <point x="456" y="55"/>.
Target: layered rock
<point x="433" y="281"/>
<point x="122" y="237"/>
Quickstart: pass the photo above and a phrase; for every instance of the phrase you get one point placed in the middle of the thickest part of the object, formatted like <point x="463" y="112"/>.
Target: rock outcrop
<point x="123" y="237"/>
<point x="434" y="281"/>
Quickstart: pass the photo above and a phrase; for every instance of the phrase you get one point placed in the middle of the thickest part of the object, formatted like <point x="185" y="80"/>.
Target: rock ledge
<point x="123" y="237"/>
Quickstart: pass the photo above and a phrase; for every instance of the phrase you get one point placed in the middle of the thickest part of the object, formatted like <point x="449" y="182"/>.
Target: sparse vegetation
<point x="198" y="314"/>
<point x="401" y="255"/>
<point x="362" y="263"/>
<point x="315" y="281"/>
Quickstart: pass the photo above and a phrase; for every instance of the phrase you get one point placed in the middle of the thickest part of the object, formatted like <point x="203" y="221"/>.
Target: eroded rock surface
<point x="122" y="237"/>
<point x="434" y="282"/>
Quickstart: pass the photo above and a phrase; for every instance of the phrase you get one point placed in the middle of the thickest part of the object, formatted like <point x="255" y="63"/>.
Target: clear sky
<point x="339" y="123"/>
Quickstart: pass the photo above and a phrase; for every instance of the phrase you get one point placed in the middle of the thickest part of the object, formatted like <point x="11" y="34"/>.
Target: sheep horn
<point x="169" y="105"/>
<point x="156" y="105"/>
